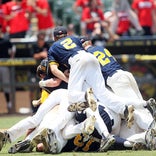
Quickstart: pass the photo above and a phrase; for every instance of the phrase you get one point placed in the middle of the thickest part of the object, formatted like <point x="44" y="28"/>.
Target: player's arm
<point x="52" y="82"/>
<point x="58" y="73"/>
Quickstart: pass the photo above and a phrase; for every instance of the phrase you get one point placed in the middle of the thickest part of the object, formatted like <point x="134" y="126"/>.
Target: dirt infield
<point x="22" y="100"/>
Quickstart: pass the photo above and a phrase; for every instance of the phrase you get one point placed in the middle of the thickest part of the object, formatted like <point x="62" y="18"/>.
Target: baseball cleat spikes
<point x="129" y="115"/>
<point x="151" y="106"/>
<point x="49" y="141"/>
<point x="77" y="107"/>
<point x="24" y="146"/>
<point x="91" y="99"/>
<point x="106" y="143"/>
<point x="89" y="125"/>
<point x="4" y="138"/>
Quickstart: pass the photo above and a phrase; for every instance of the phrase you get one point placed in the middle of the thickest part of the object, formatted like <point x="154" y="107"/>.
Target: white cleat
<point x="37" y="139"/>
<point x="49" y="141"/>
<point x="91" y="99"/>
<point x="129" y="115"/>
<point x="80" y="106"/>
<point x="106" y="143"/>
<point x="150" y="139"/>
<point x="151" y="106"/>
<point x="4" y="138"/>
<point x="139" y="146"/>
<point x="89" y="125"/>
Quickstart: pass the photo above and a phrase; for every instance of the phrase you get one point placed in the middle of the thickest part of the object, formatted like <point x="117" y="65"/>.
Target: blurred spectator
<point x="40" y="48"/>
<point x="15" y="16"/>
<point x="39" y="52"/>
<point x="45" y="20"/>
<point x="98" y="37"/>
<point x="154" y="27"/>
<point x="79" y="6"/>
<point x="71" y="29"/>
<point x="92" y="15"/>
<point x="124" y="24"/>
<point x="2" y="21"/>
<point x="7" y="50"/>
<point x="146" y="15"/>
<point x="120" y="8"/>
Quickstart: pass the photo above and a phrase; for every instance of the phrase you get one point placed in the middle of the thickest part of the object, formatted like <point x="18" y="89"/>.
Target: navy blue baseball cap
<point x="60" y="30"/>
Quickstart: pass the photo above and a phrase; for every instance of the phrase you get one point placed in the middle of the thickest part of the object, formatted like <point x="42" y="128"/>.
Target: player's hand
<point x="35" y="103"/>
<point x="42" y="83"/>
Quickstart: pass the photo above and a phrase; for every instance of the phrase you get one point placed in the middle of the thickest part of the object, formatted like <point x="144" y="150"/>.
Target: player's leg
<point x="72" y="128"/>
<point x="30" y="122"/>
<point x="77" y="78"/>
<point x="109" y="99"/>
<point x="103" y="125"/>
<point x="82" y="71"/>
<point x="52" y="131"/>
<point x="140" y="137"/>
<point x="123" y="84"/>
<point x="27" y="145"/>
<point x="143" y="118"/>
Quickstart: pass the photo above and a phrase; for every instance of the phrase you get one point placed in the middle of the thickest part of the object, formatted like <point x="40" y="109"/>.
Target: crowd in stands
<point x="16" y="17"/>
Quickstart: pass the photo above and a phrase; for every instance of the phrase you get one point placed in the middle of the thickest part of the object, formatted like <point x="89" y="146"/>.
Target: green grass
<point x="8" y="121"/>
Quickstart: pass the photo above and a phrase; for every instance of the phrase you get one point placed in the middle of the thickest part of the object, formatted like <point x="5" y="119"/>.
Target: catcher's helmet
<point x="42" y="68"/>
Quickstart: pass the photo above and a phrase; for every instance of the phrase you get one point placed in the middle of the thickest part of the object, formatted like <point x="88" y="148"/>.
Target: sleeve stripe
<point x="53" y="63"/>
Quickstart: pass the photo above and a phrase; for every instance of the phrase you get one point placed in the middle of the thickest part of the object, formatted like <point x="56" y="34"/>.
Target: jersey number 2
<point x="68" y="43"/>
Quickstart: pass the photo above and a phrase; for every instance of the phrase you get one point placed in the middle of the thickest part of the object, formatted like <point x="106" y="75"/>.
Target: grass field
<point x="8" y="121"/>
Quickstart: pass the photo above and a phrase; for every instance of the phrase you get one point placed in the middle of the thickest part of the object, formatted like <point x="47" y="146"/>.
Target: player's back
<point x="65" y="48"/>
<point x="108" y="63"/>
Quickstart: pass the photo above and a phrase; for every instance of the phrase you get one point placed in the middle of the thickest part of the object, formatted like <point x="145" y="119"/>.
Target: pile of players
<point x="88" y="103"/>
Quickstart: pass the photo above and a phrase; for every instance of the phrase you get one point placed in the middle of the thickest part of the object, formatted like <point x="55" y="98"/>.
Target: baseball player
<point x="35" y="138"/>
<point x="123" y="83"/>
<point x="120" y="81"/>
<point x="82" y="65"/>
<point x="48" y="81"/>
<point x="54" y="140"/>
<point x="116" y="127"/>
<point x="84" y="70"/>
<point x="64" y="116"/>
<point x="41" y="71"/>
